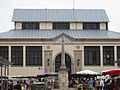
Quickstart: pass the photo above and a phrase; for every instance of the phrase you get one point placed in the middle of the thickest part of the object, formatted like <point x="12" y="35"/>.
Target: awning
<point x="112" y="72"/>
<point x="47" y="74"/>
<point x="87" y="72"/>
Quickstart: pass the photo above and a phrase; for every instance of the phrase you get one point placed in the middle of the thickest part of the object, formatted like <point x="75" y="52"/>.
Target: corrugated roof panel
<point x="60" y="15"/>
<point x="43" y="34"/>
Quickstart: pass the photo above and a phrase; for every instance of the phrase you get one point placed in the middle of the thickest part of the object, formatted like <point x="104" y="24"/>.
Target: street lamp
<point x="118" y="62"/>
<point x="78" y="62"/>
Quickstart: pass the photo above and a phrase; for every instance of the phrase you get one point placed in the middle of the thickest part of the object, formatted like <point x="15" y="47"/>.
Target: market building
<point x="34" y="46"/>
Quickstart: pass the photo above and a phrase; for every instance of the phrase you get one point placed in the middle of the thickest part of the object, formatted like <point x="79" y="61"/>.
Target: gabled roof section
<point x="59" y="15"/>
<point x="63" y="35"/>
<point x="50" y="34"/>
<point x="66" y="37"/>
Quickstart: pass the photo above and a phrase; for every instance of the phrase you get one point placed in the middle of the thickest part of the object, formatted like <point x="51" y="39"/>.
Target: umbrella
<point x="87" y="72"/>
<point x="47" y="74"/>
<point x="90" y="82"/>
<point x="112" y="72"/>
<point x="52" y="73"/>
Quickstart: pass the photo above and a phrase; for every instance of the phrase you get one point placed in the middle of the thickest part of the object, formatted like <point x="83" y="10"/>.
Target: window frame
<point x="91" y="26"/>
<point x="4" y="53"/>
<point x="90" y="51"/>
<point x="108" y="55"/>
<point x="31" y="51"/>
<point x="61" y="25"/>
<point x="30" y="25"/>
<point x="118" y="52"/>
<point x="17" y="55"/>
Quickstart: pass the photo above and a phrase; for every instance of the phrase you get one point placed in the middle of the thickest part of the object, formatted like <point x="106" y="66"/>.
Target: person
<point x="108" y="84"/>
<point x="105" y="84"/>
<point x="101" y="84"/>
<point x="70" y="83"/>
<point x="90" y="83"/>
<point x="17" y="86"/>
<point x="10" y="85"/>
<point x="32" y="86"/>
<point x="24" y="85"/>
<point x="97" y="84"/>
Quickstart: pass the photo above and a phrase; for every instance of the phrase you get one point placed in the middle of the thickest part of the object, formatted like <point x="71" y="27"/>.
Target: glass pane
<point x="108" y="53"/>
<point x="91" y="26"/>
<point x="17" y="55"/>
<point x="92" y="55"/>
<point x="67" y="62"/>
<point x="34" y="55"/>
<point x="30" y="26"/>
<point x="4" y="52"/>
<point x="61" y="26"/>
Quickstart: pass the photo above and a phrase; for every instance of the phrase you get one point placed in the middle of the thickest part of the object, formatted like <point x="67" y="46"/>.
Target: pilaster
<point x="9" y="54"/>
<point x="82" y="57"/>
<point x="24" y="56"/>
<point x="115" y="54"/>
<point x="101" y="56"/>
<point x="48" y="61"/>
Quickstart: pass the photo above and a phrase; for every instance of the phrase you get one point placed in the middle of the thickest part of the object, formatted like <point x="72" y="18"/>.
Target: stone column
<point x="63" y="54"/>
<point x="63" y="73"/>
<point x="115" y="54"/>
<point x="101" y="56"/>
<point x="10" y="54"/>
<point x="63" y="79"/>
<point x="83" y="57"/>
<point x="24" y="56"/>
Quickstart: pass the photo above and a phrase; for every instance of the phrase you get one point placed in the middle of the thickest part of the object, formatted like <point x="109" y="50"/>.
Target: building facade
<point x="34" y="46"/>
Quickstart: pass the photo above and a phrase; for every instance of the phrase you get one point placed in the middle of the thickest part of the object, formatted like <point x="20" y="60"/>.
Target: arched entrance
<point x="67" y="62"/>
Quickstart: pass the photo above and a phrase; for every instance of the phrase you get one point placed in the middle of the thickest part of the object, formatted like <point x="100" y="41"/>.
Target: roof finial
<point x="73" y="4"/>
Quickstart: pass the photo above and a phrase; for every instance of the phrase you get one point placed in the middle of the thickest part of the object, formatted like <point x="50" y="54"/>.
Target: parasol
<point x="87" y="72"/>
<point x="112" y="72"/>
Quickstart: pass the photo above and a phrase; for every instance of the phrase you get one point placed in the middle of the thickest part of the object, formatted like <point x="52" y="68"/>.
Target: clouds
<point x="111" y="7"/>
<point x="42" y="3"/>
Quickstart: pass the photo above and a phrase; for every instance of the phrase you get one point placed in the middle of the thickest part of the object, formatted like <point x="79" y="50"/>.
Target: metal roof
<point x="49" y="34"/>
<point x="59" y="15"/>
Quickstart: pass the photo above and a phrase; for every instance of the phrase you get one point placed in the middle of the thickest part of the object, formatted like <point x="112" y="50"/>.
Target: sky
<point x="112" y="8"/>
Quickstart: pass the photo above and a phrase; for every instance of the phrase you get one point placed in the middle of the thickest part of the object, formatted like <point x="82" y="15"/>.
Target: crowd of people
<point x="42" y="84"/>
<point x="79" y="83"/>
<point x="22" y="85"/>
<point x="95" y="84"/>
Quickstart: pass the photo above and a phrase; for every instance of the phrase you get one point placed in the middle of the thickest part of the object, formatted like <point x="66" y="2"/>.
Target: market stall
<point x="84" y="74"/>
<point x="112" y="72"/>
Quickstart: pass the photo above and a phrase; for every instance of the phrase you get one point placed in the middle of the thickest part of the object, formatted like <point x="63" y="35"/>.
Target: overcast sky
<point x="112" y="8"/>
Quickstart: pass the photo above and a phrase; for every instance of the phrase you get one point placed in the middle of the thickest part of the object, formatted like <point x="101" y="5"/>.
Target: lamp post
<point x="118" y="62"/>
<point x="78" y="62"/>
<point x="48" y="61"/>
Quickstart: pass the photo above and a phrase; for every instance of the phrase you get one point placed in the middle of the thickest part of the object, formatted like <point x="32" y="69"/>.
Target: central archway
<point x="67" y="62"/>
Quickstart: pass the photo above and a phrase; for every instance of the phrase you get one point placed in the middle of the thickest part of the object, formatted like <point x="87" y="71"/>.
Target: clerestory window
<point x="91" y="26"/>
<point x="61" y="25"/>
<point x="30" y="26"/>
